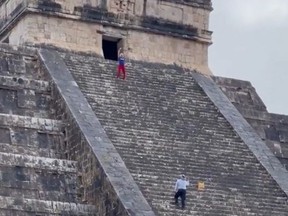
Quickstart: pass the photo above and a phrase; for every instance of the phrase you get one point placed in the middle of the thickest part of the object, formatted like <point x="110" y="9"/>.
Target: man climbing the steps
<point x="121" y="64"/>
<point x="180" y="189"/>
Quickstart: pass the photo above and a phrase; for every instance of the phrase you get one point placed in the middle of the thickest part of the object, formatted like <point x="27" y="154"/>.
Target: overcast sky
<point x="251" y="43"/>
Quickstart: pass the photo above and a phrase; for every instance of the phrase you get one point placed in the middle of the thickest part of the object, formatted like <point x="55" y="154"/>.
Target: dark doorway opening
<point x="110" y="48"/>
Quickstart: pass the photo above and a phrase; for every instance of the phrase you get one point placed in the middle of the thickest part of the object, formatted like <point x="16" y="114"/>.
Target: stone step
<point x="197" y="199"/>
<point x="139" y="79"/>
<point x="21" y="206"/>
<point x="15" y="83"/>
<point x="28" y="150"/>
<point x="38" y="184"/>
<point x="196" y="104"/>
<point x="176" y="165"/>
<point x="145" y="95"/>
<point x="39" y="163"/>
<point x="30" y="122"/>
<point x="163" y="159"/>
<point x="167" y="192"/>
<point x="147" y="178"/>
<point x="124" y="128"/>
<point x="122" y="107"/>
<point x="192" y="150"/>
<point x="146" y="147"/>
<point x="219" y="210"/>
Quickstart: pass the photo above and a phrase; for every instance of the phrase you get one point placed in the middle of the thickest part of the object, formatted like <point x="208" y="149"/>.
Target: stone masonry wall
<point x="194" y="14"/>
<point x="158" y="48"/>
<point x="168" y="10"/>
<point x="69" y="34"/>
<point x="80" y="36"/>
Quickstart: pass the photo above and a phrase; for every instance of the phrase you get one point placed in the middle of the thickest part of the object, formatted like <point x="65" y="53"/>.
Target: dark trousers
<point x="182" y="194"/>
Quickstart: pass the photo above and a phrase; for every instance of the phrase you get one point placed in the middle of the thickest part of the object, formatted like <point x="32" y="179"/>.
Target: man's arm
<point x="176" y="188"/>
<point x="119" y="51"/>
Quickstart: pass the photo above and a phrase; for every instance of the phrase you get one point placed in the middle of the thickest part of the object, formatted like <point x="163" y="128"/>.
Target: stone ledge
<point x="244" y="130"/>
<point x="12" y="160"/>
<point x="38" y="194"/>
<point x="42" y="206"/>
<point x="13" y="82"/>
<point x="110" y="161"/>
<point x="33" y="179"/>
<point x="30" y="122"/>
<point x="263" y="116"/>
<point x="18" y="50"/>
<point x="27" y="150"/>
<point x="232" y="82"/>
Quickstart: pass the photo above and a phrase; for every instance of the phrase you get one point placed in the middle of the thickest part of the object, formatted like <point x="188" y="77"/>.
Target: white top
<point x="181" y="184"/>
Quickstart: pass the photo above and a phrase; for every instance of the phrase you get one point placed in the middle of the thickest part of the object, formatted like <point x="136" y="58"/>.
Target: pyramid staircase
<point x="163" y="124"/>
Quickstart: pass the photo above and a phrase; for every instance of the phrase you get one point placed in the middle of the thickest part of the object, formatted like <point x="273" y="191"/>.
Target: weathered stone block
<point x="26" y="98"/>
<point x="16" y="66"/>
<point x="5" y="135"/>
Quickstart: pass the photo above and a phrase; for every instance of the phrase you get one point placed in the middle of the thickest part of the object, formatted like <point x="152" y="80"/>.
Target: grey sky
<point x="250" y="43"/>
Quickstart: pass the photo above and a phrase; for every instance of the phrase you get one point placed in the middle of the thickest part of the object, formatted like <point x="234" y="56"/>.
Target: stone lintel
<point x="111" y="162"/>
<point x="245" y="131"/>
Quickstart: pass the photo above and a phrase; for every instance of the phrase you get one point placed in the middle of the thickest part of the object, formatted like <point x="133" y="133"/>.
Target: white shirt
<point x="181" y="184"/>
